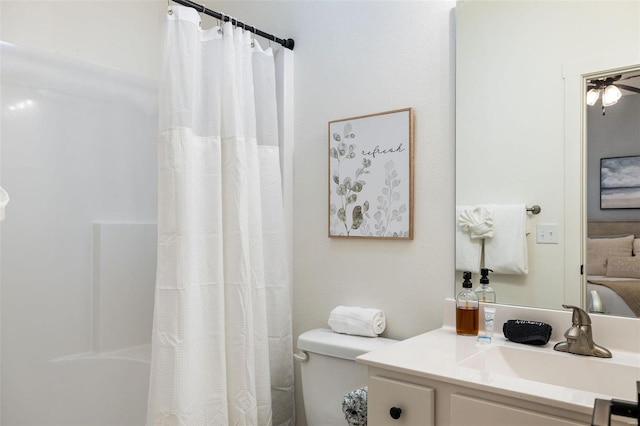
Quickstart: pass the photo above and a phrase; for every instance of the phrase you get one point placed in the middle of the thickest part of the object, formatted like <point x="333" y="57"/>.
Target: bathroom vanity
<point x="440" y="378"/>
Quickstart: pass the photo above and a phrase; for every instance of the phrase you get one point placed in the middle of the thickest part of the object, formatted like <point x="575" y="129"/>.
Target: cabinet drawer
<point x="413" y="405"/>
<point x="466" y="411"/>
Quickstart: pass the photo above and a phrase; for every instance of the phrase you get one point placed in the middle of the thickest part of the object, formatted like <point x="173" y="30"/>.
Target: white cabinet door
<point x="467" y="411"/>
<point x="392" y="402"/>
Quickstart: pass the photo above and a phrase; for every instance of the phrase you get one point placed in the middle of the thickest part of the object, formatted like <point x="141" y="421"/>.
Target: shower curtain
<point x="221" y="345"/>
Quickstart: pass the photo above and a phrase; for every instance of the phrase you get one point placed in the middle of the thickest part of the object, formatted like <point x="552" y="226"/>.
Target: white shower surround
<point x="79" y="160"/>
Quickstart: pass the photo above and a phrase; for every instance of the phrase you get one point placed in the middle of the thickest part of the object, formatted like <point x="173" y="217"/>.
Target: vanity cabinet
<point x="425" y="402"/>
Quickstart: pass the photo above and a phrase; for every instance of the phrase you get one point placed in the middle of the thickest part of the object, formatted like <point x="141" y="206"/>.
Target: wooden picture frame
<point x="371" y="176"/>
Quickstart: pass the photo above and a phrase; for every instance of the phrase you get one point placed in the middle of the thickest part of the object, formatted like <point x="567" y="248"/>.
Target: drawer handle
<point x="395" y="413"/>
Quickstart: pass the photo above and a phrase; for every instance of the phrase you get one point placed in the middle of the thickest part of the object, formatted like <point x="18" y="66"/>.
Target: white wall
<point x="354" y="58"/>
<point x="351" y="58"/>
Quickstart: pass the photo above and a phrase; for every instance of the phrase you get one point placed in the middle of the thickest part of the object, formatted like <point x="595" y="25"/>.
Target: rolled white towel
<point x="357" y="321"/>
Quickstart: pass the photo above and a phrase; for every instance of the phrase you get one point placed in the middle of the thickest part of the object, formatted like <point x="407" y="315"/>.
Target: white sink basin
<point x="615" y="376"/>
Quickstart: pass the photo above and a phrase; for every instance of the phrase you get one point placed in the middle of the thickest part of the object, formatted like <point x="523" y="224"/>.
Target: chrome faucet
<point x="579" y="339"/>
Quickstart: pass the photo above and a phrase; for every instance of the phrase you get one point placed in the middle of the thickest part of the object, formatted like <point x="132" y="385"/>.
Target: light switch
<point x="547" y="233"/>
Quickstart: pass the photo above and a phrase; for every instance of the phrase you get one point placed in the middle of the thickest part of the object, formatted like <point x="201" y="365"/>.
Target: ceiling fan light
<point x="611" y="95"/>
<point x="592" y="96"/>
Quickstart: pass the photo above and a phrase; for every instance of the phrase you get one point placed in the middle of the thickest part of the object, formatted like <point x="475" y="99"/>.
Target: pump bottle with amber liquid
<point x="467" y="308"/>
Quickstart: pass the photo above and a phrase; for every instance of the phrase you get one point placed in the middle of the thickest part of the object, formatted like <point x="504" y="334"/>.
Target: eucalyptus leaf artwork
<point x="371" y="176"/>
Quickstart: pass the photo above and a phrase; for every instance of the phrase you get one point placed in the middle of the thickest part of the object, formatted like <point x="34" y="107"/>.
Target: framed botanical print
<point x="371" y="176"/>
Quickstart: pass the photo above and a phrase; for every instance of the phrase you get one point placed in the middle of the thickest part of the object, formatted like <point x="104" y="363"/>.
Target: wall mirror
<point x="522" y="72"/>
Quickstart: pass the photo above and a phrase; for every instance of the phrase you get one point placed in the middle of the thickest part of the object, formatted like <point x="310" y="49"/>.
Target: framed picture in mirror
<point x="620" y="182"/>
<point x="371" y="176"/>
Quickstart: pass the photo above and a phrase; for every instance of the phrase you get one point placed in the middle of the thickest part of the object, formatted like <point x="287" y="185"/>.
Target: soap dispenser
<point x="485" y="292"/>
<point x="467" y="308"/>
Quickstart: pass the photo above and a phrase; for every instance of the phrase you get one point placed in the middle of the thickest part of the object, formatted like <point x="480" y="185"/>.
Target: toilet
<point x="329" y="371"/>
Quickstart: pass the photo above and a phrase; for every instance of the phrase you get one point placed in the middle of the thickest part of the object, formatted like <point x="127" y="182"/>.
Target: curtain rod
<point x="288" y="43"/>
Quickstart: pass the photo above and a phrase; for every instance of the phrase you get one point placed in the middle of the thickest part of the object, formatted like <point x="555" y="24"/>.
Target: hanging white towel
<point x="357" y="321"/>
<point x="4" y="200"/>
<point x="506" y="252"/>
<point x="468" y="250"/>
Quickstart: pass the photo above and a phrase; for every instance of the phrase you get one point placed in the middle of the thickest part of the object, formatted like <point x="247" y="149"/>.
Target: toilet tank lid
<point x="326" y="342"/>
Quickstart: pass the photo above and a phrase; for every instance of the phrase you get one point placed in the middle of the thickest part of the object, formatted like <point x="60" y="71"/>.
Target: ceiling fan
<point x="609" y="88"/>
<point x="602" y="83"/>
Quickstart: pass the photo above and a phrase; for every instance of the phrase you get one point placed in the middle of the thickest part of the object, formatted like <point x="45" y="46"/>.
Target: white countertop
<point x="437" y="355"/>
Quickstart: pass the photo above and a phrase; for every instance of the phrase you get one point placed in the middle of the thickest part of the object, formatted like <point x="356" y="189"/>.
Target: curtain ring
<point x="203" y="12"/>
<point x="253" y="38"/>
<point x="220" y="24"/>
<point x="170" y="11"/>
